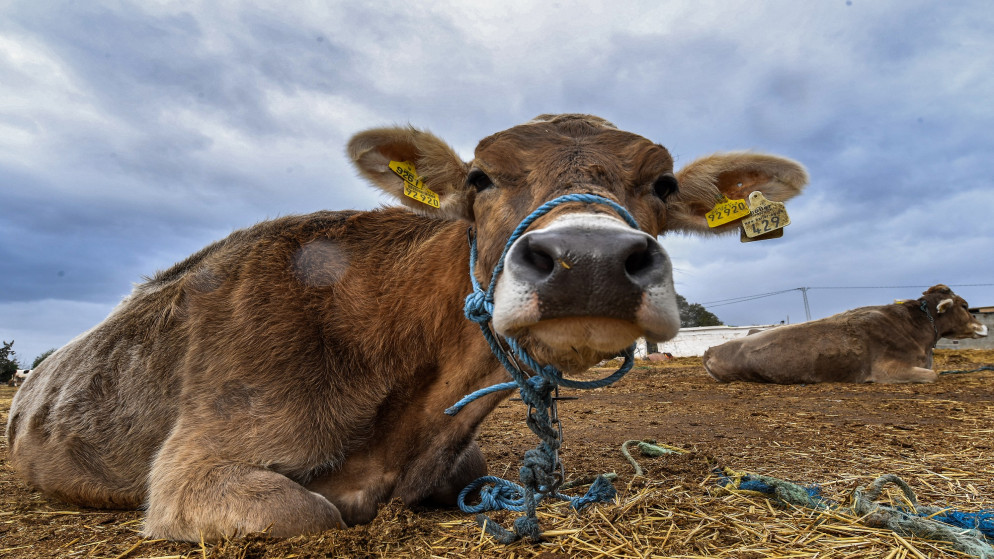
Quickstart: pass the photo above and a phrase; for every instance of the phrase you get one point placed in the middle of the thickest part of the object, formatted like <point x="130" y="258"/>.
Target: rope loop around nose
<point x="527" y="222"/>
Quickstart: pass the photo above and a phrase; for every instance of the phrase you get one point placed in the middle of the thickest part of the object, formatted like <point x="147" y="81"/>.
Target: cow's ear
<point x="376" y="153"/>
<point x="943" y="306"/>
<point x="735" y="175"/>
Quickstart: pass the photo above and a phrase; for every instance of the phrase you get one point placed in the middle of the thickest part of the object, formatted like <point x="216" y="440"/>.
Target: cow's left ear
<point x="376" y="154"/>
<point x="735" y="175"/>
<point x="943" y="306"/>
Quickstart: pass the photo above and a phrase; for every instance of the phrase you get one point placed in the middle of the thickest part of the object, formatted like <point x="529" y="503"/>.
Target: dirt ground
<point x="938" y="437"/>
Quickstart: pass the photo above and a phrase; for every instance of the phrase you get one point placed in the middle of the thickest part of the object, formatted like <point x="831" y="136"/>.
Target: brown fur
<point x="292" y="376"/>
<point x="886" y="344"/>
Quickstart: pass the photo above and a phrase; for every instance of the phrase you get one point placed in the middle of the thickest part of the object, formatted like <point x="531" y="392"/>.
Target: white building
<point x="690" y="342"/>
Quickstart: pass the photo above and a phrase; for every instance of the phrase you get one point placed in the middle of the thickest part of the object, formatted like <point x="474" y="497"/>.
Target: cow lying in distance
<point x="887" y="344"/>
<point x="293" y="376"/>
<point x="19" y="377"/>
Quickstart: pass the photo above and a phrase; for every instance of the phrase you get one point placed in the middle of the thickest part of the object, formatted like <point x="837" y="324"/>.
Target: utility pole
<point x="807" y="309"/>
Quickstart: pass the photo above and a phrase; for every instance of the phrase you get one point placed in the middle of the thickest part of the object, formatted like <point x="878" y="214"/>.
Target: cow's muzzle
<point x="581" y="271"/>
<point x="587" y="266"/>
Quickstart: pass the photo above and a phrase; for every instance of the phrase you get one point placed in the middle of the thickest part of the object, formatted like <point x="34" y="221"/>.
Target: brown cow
<point x="292" y="376"/>
<point x="887" y="344"/>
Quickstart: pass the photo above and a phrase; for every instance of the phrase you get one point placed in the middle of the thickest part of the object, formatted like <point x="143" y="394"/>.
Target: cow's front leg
<point x="194" y="493"/>
<point x="467" y="467"/>
<point x="901" y="373"/>
<point x="916" y="375"/>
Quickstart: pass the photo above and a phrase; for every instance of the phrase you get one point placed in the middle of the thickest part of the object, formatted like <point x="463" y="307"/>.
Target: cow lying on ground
<point x="19" y="377"/>
<point x="292" y="376"/>
<point x="889" y="344"/>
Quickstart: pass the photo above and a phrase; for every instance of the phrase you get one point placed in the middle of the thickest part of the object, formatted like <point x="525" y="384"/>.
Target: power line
<point x="744" y="298"/>
<point x="803" y="290"/>
<point x="721" y="302"/>
<point x="905" y="286"/>
<point x="712" y="306"/>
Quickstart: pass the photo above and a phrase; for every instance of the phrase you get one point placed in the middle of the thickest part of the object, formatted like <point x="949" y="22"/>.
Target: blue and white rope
<point x="538" y="475"/>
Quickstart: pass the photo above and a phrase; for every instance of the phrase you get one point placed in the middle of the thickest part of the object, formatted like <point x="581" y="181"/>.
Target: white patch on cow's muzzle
<point x="980" y="330"/>
<point x="659" y="315"/>
<point x="517" y="304"/>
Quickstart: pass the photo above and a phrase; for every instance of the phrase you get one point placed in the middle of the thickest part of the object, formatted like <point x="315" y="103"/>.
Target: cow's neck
<point x="929" y="330"/>
<point x="399" y="313"/>
<point x="429" y="353"/>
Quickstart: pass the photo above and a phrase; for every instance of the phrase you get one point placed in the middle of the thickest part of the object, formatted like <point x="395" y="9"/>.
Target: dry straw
<point x="675" y="510"/>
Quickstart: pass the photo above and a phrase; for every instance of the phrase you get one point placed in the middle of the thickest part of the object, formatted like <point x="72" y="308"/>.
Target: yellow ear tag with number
<point x="726" y="211"/>
<point x="414" y="187"/>
<point x="767" y="220"/>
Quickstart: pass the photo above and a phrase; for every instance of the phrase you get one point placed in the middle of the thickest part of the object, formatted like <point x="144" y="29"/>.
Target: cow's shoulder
<point x="874" y="316"/>
<point x="269" y="234"/>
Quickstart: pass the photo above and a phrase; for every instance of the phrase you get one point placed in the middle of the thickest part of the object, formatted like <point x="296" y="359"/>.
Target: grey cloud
<point x="173" y="127"/>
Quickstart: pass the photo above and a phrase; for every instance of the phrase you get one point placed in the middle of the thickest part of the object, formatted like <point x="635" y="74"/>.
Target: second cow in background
<point x="887" y="344"/>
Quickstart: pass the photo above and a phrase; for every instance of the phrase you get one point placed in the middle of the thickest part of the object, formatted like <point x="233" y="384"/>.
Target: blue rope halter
<point x="542" y="472"/>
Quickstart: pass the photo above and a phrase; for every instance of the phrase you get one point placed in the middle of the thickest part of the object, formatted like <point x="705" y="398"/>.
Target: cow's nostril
<point x="539" y="260"/>
<point x="638" y="262"/>
<point x="533" y="260"/>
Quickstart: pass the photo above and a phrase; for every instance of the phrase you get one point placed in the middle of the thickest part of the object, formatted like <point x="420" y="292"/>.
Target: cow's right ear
<point x="376" y="152"/>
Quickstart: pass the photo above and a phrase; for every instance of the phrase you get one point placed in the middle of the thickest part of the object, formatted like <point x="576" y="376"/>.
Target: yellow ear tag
<point x="767" y="220"/>
<point x="414" y="187"/>
<point x="727" y="211"/>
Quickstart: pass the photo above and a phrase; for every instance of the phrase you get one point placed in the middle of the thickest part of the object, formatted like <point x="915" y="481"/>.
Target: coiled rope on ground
<point x="968" y="532"/>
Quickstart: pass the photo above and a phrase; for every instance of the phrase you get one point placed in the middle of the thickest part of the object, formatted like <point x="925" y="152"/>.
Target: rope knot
<point x="527" y="526"/>
<point x="601" y="491"/>
<point x="477" y="308"/>
<point x="500" y="496"/>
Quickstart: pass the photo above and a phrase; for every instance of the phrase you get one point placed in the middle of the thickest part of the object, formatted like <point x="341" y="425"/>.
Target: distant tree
<point x="41" y="358"/>
<point x="691" y="314"/>
<point x="8" y="362"/>
<point x="694" y="314"/>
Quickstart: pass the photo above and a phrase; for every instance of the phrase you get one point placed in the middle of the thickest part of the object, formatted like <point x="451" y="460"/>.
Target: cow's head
<point x="952" y="315"/>
<point x="581" y="284"/>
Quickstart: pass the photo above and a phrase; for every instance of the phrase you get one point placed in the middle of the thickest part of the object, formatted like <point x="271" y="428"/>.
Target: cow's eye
<point x="478" y="180"/>
<point x="665" y="185"/>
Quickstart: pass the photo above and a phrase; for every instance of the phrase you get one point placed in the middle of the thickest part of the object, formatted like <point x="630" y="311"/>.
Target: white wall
<point x="690" y="342"/>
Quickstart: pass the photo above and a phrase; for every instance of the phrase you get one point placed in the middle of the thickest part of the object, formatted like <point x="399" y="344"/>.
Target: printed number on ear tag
<point x="765" y="237"/>
<point x="767" y="220"/>
<point x="414" y="187"/>
<point x="727" y="211"/>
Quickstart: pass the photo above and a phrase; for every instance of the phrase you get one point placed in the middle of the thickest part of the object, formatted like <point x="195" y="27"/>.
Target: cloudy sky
<point x="133" y="134"/>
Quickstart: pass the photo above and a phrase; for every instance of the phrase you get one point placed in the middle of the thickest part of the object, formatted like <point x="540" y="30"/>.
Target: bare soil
<point x="938" y="437"/>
